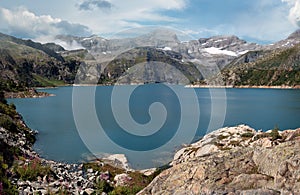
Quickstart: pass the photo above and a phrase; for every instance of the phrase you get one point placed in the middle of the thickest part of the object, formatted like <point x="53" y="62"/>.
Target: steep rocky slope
<point x="153" y="65"/>
<point x="46" y="48"/>
<point x="269" y="68"/>
<point x="26" y="64"/>
<point x="235" y="160"/>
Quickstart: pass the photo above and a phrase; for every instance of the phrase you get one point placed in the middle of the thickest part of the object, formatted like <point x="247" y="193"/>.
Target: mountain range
<point x="158" y="56"/>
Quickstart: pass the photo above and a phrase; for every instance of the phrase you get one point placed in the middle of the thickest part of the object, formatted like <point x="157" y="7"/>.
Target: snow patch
<point x="286" y="44"/>
<point x="167" y="49"/>
<point x="220" y="40"/>
<point x="218" y="51"/>
<point x="243" y="52"/>
<point x="88" y="38"/>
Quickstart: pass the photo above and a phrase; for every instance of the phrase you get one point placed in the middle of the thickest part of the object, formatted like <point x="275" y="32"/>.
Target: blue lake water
<point x="147" y="123"/>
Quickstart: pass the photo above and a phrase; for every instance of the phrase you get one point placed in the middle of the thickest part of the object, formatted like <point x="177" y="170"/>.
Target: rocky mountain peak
<point x="163" y="34"/>
<point x="291" y="41"/>
<point x="295" y="35"/>
<point x="221" y="41"/>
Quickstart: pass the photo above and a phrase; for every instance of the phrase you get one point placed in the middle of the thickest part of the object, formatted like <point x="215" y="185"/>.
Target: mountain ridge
<point x="269" y="68"/>
<point x="26" y="64"/>
<point x="217" y="55"/>
<point x="209" y="55"/>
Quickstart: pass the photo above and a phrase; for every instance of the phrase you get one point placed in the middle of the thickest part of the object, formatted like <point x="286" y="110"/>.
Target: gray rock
<point x="122" y="179"/>
<point x="239" y="165"/>
<point x="90" y="170"/>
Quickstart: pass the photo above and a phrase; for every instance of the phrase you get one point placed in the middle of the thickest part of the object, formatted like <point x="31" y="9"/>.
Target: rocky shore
<point x="244" y="86"/>
<point x="28" y="173"/>
<point x="234" y="160"/>
<point x="63" y="178"/>
<point x="69" y="176"/>
<point x="31" y="93"/>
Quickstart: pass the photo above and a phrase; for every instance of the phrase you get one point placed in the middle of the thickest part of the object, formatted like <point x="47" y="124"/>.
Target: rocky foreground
<point x="31" y="174"/>
<point x="24" y="172"/>
<point x="234" y="160"/>
<point x="54" y="177"/>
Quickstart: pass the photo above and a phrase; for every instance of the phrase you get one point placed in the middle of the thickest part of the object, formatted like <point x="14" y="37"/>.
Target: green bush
<point x="275" y="133"/>
<point x="7" y="123"/>
<point x="247" y="135"/>
<point x="2" y="98"/>
<point x="125" y="190"/>
<point x="32" y="170"/>
<point x="9" y="110"/>
<point x="5" y="185"/>
<point x="103" y="186"/>
<point x="221" y="137"/>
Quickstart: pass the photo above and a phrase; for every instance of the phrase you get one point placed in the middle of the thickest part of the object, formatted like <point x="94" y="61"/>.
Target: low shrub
<point x="32" y="170"/>
<point x="103" y="186"/>
<point x="128" y="190"/>
<point x="275" y="134"/>
<point x="247" y="135"/>
<point x="7" y="123"/>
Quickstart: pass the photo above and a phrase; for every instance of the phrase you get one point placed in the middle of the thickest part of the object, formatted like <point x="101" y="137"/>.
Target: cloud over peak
<point x="294" y="15"/>
<point x="21" y="22"/>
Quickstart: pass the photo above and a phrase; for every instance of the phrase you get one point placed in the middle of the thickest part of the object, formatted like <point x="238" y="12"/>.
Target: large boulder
<point x="235" y="160"/>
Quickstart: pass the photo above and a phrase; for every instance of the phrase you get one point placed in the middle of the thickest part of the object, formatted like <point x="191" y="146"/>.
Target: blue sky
<point x="254" y="20"/>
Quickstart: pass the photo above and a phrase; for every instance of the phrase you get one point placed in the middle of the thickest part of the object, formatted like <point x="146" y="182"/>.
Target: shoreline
<point x="33" y="93"/>
<point x="27" y="94"/>
<point x="200" y="86"/>
<point x="242" y="87"/>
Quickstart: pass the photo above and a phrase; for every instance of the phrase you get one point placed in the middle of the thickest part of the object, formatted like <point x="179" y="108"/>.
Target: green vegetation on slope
<point x="29" y="43"/>
<point x="7" y="153"/>
<point x="25" y="64"/>
<point x="45" y="82"/>
<point x="138" y="180"/>
<point x="276" y="68"/>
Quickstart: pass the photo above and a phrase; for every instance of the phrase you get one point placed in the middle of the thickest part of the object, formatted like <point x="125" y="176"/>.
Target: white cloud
<point x="23" y="23"/>
<point x="266" y="22"/>
<point x="100" y="16"/>
<point x="94" y="4"/>
<point x="200" y="32"/>
<point x="294" y="15"/>
<point x="71" y="45"/>
<point x="74" y="45"/>
<point x="127" y="14"/>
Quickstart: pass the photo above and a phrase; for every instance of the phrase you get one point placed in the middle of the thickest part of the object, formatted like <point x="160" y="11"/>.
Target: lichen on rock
<point x="227" y="161"/>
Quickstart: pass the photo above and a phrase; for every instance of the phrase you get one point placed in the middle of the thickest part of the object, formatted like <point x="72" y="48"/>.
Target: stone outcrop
<point x="31" y="174"/>
<point x="30" y="93"/>
<point x="117" y="160"/>
<point x="70" y="177"/>
<point x="235" y="160"/>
